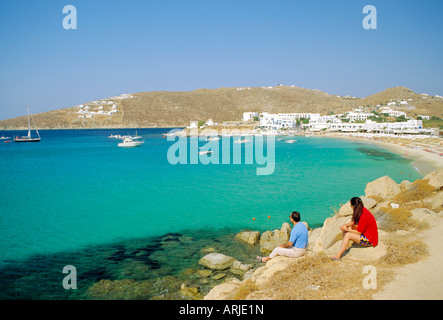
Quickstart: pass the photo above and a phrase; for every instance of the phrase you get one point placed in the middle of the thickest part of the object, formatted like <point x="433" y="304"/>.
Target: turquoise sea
<point x="75" y="198"/>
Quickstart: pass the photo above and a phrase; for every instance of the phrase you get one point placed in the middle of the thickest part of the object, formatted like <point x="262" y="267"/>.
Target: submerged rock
<point x="190" y="292"/>
<point x="217" y="261"/>
<point x="250" y="237"/>
<point x="126" y="289"/>
<point x="240" y="268"/>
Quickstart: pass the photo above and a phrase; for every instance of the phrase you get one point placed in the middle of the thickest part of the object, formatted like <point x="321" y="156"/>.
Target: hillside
<point x="171" y="109"/>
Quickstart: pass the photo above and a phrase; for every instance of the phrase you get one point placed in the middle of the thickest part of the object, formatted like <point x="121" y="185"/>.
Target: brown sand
<point x="422" y="280"/>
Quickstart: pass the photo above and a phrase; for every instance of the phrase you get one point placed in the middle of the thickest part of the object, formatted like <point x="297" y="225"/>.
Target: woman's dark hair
<point x="295" y="216"/>
<point x="358" y="209"/>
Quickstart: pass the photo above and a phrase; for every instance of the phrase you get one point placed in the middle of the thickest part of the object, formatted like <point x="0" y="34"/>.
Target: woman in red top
<point x="361" y="229"/>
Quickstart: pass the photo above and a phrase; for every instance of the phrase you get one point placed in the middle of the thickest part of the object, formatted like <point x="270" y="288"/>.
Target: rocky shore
<point x="402" y="211"/>
<point x="226" y="268"/>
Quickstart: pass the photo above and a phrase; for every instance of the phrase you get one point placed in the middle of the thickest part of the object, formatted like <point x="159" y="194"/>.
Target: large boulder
<point x="405" y="185"/>
<point x="313" y="237"/>
<point x="224" y="291"/>
<point x="383" y="187"/>
<point x="266" y="273"/>
<point x="330" y="233"/>
<point x="217" y="261"/>
<point x="250" y="237"/>
<point x="271" y="239"/>
<point x="435" y="179"/>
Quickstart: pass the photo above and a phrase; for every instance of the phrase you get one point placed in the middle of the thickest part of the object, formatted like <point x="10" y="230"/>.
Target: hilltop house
<point x="249" y="115"/>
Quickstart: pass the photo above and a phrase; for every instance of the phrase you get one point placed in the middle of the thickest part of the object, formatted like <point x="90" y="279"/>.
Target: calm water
<point x="76" y="198"/>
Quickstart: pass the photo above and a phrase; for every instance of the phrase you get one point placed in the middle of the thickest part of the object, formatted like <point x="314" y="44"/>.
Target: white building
<point x="358" y="116"/>
<point x="193" y="125"/>
<point x="392" y="113"/>
<point x="249" y="115"/>
<point x="410" y="126"/>
<point x="276" y="121"/>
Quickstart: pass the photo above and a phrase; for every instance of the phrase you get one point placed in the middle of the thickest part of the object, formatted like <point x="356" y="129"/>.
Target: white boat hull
<point x="130" y="144"/>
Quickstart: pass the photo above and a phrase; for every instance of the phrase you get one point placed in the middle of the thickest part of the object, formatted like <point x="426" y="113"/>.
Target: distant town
<point x="383" y="120"/>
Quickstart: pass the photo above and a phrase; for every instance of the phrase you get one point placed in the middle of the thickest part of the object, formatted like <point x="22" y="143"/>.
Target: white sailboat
<point x="29" y="138"/>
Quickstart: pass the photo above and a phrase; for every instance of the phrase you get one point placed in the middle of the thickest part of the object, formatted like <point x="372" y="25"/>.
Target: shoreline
<point x="423" y="161"/>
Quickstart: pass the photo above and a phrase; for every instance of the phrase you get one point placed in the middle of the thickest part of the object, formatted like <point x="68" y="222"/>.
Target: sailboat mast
<point x="29" y="124"/>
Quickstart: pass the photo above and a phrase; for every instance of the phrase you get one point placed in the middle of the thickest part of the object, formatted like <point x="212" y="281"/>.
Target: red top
<point x="367" y="226"/>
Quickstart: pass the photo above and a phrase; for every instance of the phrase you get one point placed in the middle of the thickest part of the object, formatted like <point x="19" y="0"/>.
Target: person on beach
<point x="296" y="245"/>
<point x="362" y="229"/>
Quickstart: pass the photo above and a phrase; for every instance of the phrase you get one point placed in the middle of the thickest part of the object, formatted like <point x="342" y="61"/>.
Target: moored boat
<point x="29" y="137"/>
<point x="128" y="142"/>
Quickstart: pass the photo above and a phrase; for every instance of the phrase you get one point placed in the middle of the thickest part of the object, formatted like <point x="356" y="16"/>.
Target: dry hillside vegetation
<point x="176" y="109"/>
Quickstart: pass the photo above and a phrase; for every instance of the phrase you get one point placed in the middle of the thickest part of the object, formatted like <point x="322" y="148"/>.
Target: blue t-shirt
<point x="299" y="236"/>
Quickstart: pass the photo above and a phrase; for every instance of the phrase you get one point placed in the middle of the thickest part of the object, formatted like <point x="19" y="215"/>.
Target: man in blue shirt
<point x="297" y="243"/>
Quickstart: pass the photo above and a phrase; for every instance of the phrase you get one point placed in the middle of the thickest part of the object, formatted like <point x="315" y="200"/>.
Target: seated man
<point x="298" y="241"/>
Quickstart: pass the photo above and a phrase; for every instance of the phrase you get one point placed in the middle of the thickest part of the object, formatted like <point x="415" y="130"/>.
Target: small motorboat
<point x="205" y="152"/>
<point x="128" y="142"/>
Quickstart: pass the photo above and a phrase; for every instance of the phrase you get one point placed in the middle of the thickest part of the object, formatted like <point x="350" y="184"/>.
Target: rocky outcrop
<point x="271" y="239"/>
<point x="329" y="234"/>
<point x="380" y="198"/>
<point x="435" y="179"/>
<point x="383" y="187"/>
<point x="240" y="268"/>
<point x="223" y="291"/>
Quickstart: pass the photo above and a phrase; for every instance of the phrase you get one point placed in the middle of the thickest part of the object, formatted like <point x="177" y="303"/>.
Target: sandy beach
<point x="426" y="153"/>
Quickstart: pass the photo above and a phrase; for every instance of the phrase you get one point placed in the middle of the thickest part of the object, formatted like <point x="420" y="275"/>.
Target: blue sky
<point x="179" y="45"/>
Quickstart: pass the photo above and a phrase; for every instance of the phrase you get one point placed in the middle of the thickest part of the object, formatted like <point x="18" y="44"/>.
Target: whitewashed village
<point x="358" y="120"/>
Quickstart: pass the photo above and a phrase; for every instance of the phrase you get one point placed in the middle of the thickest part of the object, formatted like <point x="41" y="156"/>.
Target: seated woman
<point x="296" y="245"/>
<point x="362" y="229"/>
